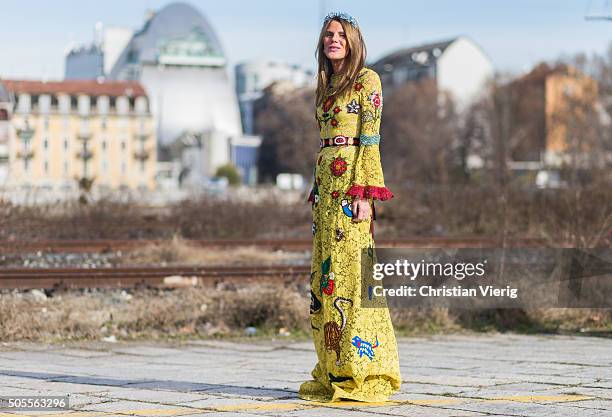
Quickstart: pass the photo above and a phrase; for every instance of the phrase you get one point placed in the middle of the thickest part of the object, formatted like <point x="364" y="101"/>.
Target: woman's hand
<point x="361" y="209"/>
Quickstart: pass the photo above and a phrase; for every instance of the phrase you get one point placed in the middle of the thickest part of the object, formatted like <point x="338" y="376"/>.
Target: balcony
<point x="26" y="133"/>
<point x="84" y="155"/>
<point x="29" y="154"/>
<point x="142" y="136"/>
<point x="84" y="135"/>
<point x="142" y="155"/>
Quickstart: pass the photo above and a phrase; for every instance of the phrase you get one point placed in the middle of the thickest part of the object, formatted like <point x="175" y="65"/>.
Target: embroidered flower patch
<point x="338" y="166"/>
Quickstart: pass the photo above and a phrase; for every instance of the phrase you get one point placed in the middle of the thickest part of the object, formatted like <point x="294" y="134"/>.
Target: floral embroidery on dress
<point x="375" y="98"/>
<point x="327" y="278"/>
<point x="338" y="166"/>
<point x="328" y="103"/>
<point x="344" y="173"/>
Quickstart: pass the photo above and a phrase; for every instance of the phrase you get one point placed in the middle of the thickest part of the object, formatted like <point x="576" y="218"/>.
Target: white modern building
<point x="459" y="66"/>
<point x="252" y="77"/>
<point x="177" y="57"/>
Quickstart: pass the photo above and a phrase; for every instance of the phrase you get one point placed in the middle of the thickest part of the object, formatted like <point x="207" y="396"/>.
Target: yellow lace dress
<point x="355" y="346"/>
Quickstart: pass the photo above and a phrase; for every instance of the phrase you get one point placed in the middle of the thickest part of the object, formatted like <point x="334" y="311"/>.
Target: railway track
<point x="171" y="276"/>
<point x="134" y="277"/>
<point x="60" y="246"/>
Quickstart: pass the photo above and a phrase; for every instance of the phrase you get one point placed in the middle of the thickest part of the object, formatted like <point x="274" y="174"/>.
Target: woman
<point x="356" y="347"/>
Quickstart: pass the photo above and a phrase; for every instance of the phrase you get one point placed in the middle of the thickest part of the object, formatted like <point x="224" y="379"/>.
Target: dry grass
<point x="206" y="218"/>
<point x="581" y="216"/>
<point x="178" y="251"/>
<point x="195" y="312"/>
<point x="207" y="312"/>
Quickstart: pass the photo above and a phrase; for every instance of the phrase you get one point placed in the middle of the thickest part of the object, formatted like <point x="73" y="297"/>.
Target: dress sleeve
<point x="368" y="180"/>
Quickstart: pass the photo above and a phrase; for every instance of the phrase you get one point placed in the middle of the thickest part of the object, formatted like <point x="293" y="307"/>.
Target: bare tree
<point x="290" y="133"/>
<point x="419" y="130"/>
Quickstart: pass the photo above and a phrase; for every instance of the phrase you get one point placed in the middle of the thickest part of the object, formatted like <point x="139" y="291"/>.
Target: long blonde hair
<point x="355" y="61"/>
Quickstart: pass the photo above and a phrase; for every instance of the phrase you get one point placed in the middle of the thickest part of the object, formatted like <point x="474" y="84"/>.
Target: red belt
<point x="339" y="141"/>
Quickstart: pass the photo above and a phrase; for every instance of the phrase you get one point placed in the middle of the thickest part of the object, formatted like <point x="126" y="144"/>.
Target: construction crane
<point x="603" y="15"/>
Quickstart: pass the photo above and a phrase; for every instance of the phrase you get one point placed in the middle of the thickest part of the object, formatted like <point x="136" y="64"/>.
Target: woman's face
<point x="334" y="41"/>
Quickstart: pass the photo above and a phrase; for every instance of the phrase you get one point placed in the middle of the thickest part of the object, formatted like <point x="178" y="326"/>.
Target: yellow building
<point x="86" y="132"/>
<point x="550" y="110"/>
<point x="570" y="96"/>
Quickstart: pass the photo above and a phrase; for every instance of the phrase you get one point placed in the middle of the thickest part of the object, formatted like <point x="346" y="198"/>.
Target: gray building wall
<point x="84" y="63"/>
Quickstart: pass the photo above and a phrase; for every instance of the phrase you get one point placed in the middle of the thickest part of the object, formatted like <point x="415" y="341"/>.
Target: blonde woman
<point x="355" y="346"/>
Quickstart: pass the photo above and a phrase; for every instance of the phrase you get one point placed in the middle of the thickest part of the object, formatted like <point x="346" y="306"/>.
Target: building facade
<point x="179" y="60"/>
<point x="177" y="57"/>
<point x="69" y="134"/>
<point x="5" y="122"/>
<point x="95" y="60"/>
<point x="549" y="108"/>
<point x="253" y="77"/>
<point x="84" y="63"/>
<point x="459" y="66"/>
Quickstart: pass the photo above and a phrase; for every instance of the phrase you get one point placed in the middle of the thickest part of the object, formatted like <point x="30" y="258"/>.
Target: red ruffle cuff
<point x="370" y="191"/>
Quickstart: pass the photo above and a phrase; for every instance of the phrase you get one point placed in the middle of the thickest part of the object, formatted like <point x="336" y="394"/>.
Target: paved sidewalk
<point x="488" y="375"/>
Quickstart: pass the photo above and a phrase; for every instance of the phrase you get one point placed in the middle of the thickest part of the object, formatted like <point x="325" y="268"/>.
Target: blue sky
<point x="515" y="34"/>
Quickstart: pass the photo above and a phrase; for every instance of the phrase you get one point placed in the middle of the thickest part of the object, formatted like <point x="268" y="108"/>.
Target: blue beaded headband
<point x="341" y="15"/>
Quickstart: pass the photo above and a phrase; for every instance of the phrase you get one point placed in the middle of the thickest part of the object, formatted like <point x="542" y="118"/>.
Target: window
<point x="23" y="103"/>
<point x="141" y="105"/>
<point x="84" y="105"/>
<point x="44" y="104"/>
<point x="103" y="105"/>
<point x="64" y="105"/>
<point x="123" y="105"/>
